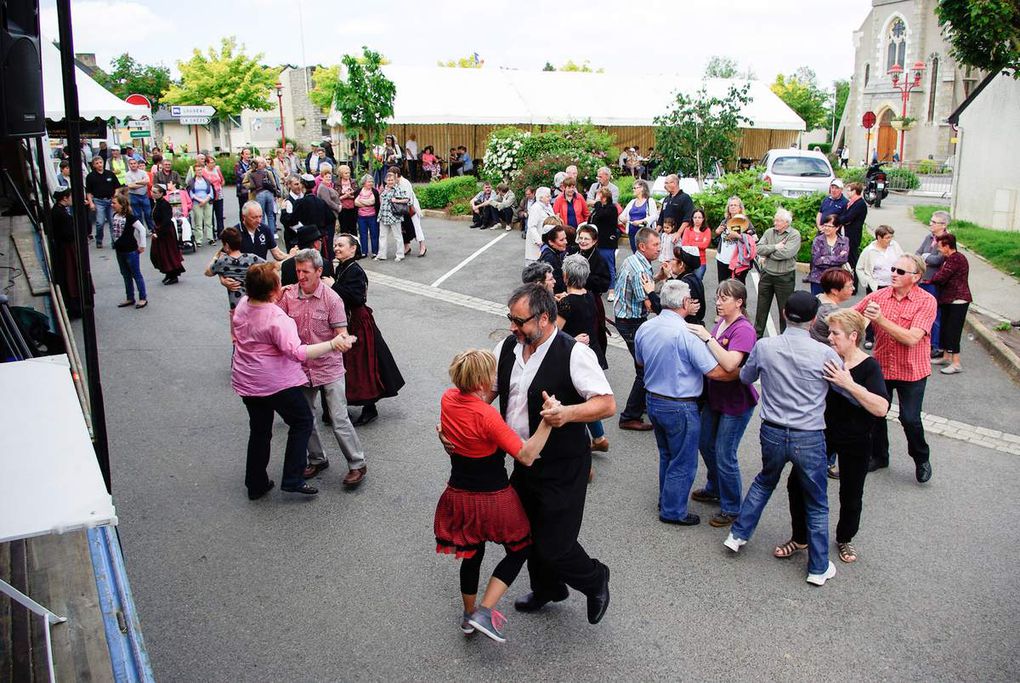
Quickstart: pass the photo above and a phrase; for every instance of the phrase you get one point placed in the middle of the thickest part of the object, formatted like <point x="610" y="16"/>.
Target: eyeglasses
<point x="900" y="271"/>
<point x="517" y="321"/>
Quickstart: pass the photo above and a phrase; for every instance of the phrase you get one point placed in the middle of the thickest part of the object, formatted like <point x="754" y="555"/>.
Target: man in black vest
<point x="537" y="358"/>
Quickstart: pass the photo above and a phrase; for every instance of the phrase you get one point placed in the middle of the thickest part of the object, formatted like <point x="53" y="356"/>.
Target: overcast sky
<point x="653" y="37"/>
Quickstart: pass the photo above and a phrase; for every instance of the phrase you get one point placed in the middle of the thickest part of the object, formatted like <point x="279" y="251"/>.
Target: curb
<point x="1002" y="354"/>
<point x="440" y="213"/>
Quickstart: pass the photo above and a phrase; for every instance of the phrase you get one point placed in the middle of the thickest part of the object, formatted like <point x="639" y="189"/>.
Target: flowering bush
<point x="502" y="155"/>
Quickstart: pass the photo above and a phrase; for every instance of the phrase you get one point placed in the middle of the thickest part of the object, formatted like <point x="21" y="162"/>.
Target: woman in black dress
<point x="599" y="278"/>
<point x="166" y="251"/>
<point x="65" y="261"/>
<point x="848" y="427"/>
<point x="686" y="265"/>
<point x="577" y="315"/>
<point x="372" y="373"/>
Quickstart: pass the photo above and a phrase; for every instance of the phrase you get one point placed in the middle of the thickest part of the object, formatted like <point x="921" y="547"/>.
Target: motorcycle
<point x="876" y="185"/>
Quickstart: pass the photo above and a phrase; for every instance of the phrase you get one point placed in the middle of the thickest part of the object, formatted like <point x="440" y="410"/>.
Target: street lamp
<point x="279" y="99"/>
<point x="895" y="71"/>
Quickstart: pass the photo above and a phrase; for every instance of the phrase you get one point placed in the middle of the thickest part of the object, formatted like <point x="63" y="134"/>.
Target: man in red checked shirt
<point x="901" y="317"/>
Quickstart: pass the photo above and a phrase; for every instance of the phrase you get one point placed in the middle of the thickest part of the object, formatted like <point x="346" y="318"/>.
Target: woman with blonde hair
<point x="479" y="505"/>
<point x="728" y="239"/>
<point x="856" y="401"/>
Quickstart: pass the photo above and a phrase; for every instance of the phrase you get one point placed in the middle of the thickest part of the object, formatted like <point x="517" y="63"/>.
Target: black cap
<point x="61" y="193"/>
<point x="307" y="235"/>
<point x="801" y="307"/>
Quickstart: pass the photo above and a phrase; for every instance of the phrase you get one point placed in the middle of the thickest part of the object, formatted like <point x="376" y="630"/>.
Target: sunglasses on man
<point x="900" y="271"/>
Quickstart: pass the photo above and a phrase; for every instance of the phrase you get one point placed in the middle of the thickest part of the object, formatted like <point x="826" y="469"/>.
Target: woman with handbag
<point x="394" y="205"/>
<point x="829" y="250"/>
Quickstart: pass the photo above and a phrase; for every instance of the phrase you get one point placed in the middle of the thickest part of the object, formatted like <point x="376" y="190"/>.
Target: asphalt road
<point x="348" y="586"/>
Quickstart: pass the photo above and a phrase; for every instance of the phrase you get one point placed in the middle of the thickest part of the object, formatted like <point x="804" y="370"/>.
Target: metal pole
<point x="283" y="131"/>
<point x="88" y="319"/>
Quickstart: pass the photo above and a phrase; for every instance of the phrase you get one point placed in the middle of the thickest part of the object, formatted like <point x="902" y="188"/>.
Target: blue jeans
<point x="632" y="235"/>
<point x="676" y="425"/>
<point x="806" y="450"/>
<point x="720" y="437"/>
<point x="596" y="430"/>
<point x="267" y="201"/>
<point x="816" y="288"/>
<point x="700" y="272"/>
<point x="368" y="227"/>
<point x="635" y="408"/>
<point x="104" y="216"/>
<point x="141" y="207"/>
<point x="131" y="271"/>
<point x="610" y="256"/>
<point x="936" y="328"/>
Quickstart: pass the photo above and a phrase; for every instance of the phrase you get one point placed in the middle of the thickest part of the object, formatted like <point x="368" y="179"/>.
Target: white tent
<point x="438" y="95"/>
<point x="94" y="101"/>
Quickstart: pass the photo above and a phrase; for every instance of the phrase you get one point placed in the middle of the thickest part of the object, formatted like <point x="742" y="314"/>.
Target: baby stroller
<point x="179" y="202"/>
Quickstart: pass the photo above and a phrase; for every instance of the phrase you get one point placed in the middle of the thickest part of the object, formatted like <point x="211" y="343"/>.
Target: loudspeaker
<point x="22" y="113"/>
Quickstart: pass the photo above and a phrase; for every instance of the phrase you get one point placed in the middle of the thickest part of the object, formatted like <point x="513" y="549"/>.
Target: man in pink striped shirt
<point x="319" y="314"/>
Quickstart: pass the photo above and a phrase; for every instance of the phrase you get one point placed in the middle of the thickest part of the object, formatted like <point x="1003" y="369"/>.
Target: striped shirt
<point x="630" y="295"/>
<point x="914" y="311"/>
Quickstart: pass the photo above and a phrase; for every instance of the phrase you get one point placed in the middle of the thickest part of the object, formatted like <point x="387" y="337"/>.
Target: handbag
<point x="400" y="210"/>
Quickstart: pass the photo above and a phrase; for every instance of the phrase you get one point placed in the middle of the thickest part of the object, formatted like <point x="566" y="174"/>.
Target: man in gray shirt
<point x="933" y="258"/>
<point x="777" y="250"/>
<point x="138" y="187"/>
<point x="792" y="429"/>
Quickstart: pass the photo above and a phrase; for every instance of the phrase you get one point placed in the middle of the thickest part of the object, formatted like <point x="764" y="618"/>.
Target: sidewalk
<point x="994" y="292"/>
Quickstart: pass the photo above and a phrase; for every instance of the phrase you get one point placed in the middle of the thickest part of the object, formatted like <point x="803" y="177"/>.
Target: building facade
<point x="903" y="32"/>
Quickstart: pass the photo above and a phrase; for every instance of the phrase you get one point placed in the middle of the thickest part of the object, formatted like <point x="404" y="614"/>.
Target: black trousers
<point x="953" y="317"/>
<point x="853" y="470"/>
<point x="635" y="408"/>
<point x="911" y="395"/>
<point x="487" y="216"/>
<point x="552" y="494"/>
<point x="291" y="405"/>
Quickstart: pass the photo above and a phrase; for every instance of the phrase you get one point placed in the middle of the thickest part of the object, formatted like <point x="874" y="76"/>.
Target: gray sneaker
<point x="465" y="625"/>
<point x="490" y="622"/>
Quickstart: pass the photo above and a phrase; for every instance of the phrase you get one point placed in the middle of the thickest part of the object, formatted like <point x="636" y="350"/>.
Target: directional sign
<point x="194" y="120"/>
<point x="140" y="134"/>
<point x="137" y="124"/>
<point x="188" y="110"/>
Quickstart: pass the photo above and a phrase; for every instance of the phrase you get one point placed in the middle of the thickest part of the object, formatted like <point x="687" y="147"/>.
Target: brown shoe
<point x="354" y="477"/>
<point x="722" y="520"/>
<point x="600" y="446"/>
<point x="313" y="469"/>
<point x="635" y="425"/>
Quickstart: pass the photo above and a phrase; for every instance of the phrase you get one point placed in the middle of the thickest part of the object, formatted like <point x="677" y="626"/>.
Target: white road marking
<point x="996" y="440"/>
<point x="468" y="260"/>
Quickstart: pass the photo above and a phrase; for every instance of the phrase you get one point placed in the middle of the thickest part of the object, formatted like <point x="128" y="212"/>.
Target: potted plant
<point x="903" y="123"/>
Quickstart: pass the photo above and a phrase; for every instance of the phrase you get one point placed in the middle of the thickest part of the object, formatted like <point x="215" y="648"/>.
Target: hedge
<point x="442" y="194"/>
<point x="183" y="163"/>
<point x="899" y="178"/>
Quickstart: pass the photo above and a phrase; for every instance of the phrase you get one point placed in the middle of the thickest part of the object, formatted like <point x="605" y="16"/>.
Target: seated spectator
<point x="468" y="164"/>
<point x="430" y="164"/>
<point x="483" y="208"/>
<point x="504" y="205"/>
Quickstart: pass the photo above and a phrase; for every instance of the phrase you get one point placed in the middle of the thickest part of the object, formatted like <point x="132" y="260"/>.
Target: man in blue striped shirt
<point x="630" y="310"/>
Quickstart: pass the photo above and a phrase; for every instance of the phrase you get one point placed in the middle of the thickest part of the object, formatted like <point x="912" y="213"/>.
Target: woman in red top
<point x="954" y="299"/>
<point x="698" y="235"/>
<point x="571" y="208"/>
<point x="478" y="504"/>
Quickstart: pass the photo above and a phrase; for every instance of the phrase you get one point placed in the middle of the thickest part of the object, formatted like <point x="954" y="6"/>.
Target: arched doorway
<point x="886" y="144"/>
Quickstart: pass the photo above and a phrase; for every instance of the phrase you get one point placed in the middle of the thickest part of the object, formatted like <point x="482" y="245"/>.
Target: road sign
<point x="868" y="121"/>
<point x="194" y="120"/>
<point x="138" y="124"/>
<point x="141" y="134"/>
<point x="189" y="110"/>
<point x="140" y="100"/>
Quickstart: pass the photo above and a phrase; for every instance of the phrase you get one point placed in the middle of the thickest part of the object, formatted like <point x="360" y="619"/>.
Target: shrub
<point x="854" y="174"/>
<point x="626" y="185"/>
<point x="823" y="147"/>
<point x="183" y="163"/>
<point x="760" y="207"/>
<point x="540" y="172"/>
<point x="927" y="166"/>
<point x="902" y="179"/>
<point x="502" y="154"/>
<point x="445" y="192"/>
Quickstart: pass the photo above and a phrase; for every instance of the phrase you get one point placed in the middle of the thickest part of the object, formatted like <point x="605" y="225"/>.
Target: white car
<point x="795" y="172"/>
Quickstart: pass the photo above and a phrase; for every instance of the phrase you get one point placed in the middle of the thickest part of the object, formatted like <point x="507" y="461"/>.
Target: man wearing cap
<point x="902" y="316"/>
<point x="791" y="370"/>
<point x="302" y="207"/>
<point x="675" y="364"/>
<point x="308" y="237"/>
<point x="319" y="314"/>
<point x="834" y="203"/>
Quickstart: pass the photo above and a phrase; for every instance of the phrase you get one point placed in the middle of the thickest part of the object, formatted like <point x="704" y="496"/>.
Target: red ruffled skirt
<point x="465" y="519"/>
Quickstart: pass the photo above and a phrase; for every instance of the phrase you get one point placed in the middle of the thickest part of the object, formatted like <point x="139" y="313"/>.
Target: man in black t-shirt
<point x="677" y="205"/>
<point x="99" y="186"/>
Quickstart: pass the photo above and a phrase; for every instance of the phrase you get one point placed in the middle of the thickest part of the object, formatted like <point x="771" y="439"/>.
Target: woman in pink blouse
<point x="266" y="373"/>
<point x="214" y="176"/>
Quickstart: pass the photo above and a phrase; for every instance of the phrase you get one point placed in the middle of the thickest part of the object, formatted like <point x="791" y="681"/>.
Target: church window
<point x="896" y="44"/>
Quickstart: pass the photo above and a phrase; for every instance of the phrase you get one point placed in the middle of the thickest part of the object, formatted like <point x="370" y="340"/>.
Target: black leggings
<point x="953" y="317"/>
<point x="506" y="571"/>
<point x="853" y="470"/>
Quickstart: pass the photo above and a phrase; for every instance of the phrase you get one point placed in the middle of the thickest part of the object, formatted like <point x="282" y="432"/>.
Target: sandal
<point x="847" y="553"/>
<point x="125" y="304"/>
<point x="788" y="549"/>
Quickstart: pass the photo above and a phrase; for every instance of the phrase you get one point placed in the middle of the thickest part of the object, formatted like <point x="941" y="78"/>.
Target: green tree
<point x="127" y="77"/>
<point x="226" y="79"/>
<point x="321" y="93"/>
<point x="699" y="130"/>
<point x="584" y="67"/>
<point x="472" y="62"/>
<point x="721" y="67"/>
<point x="801" y="93"/>
<point x="548" y="67"/>
<point x="842" y="88"/>
<point x="363" y="96"/>
<point x="984" y="34"/>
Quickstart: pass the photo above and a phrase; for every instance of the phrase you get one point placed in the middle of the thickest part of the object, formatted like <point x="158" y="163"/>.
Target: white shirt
<point x="585" y="374"/>
<point x="411" y="149"/>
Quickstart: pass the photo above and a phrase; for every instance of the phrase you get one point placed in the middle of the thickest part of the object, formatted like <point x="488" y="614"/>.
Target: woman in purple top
<point x="829" y="250"/>
<point x="730" y="402"/>
<point x="266" y="373"/>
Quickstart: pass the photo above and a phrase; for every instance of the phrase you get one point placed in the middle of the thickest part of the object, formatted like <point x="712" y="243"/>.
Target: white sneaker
<point x="820" y="579"/>
<point x="612" y="296"/>
<point x="378" y="258"/>
<point x="399" y="259"/>
<point x="735" y="543"/>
